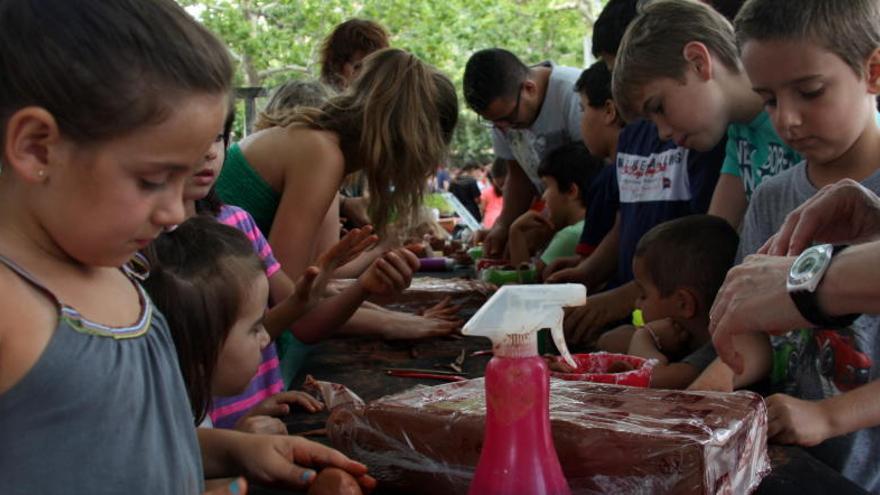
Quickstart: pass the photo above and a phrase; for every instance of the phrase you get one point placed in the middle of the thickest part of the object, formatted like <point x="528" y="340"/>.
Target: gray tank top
<point x="103" y="411"/>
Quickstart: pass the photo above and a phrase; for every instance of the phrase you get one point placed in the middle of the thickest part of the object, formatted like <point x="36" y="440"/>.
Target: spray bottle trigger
<point x="559" y="337"/>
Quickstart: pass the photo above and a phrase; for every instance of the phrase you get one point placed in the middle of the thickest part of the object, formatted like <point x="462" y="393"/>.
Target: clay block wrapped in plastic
<point x="610" y="439"/>
<point x="424" y="292"/>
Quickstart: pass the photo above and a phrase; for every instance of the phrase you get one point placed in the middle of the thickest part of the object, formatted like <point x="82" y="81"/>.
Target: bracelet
<point x="653" y="336"/>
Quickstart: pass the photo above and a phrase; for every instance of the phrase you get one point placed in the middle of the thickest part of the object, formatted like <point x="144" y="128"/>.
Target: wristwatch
<point x="803" y="279"/>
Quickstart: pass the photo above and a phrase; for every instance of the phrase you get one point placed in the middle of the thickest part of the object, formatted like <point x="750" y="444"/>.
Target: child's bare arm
<point x="387" y="275"/>
<point x="809" y="423"/>
<point x="665" y="374"/>
<point x="643" y="345"/>
<point x="673" y="375"/>
<point x="300" y="298"/>
<point x="757" y="361"/>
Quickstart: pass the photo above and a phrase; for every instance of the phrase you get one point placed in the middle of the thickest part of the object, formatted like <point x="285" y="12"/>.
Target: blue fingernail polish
<point x="307" y="475"/>
<point x="234" y="488"/>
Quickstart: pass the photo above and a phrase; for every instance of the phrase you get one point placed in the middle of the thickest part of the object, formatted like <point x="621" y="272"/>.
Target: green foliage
<point x="436" y="200"/>
<point x="278" y="40"/>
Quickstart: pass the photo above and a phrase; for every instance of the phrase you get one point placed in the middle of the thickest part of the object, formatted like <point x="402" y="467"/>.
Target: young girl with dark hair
<point x="101" y="123"/>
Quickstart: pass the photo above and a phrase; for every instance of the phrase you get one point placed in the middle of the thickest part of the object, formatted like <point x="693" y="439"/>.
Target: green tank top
<point x="240" y="185"/>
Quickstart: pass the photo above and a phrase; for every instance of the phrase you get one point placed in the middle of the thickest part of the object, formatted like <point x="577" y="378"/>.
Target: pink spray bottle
<point x="518" y="456"/>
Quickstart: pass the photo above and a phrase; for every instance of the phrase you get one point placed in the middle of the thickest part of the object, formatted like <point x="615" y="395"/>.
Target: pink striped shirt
<point x="225" y="411"/>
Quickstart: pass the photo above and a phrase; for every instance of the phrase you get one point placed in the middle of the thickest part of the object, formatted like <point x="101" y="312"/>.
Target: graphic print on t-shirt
<point x="820" y="363"/>
<point x="656" y="177"/>
<point x="779" y="158"/>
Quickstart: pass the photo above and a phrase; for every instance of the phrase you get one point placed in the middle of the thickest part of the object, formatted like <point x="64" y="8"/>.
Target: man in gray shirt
<point x="532" y="111"/>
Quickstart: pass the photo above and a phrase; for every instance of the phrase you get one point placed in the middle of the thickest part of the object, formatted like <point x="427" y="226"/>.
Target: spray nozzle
<point x="514" y="314"/>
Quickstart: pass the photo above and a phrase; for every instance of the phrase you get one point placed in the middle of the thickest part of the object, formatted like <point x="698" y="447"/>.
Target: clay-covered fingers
<point x="432" y="327"/>
<point x="335" y="481"/>
<point x="443" y="310"/>
<point x="395" y="270"/>
<point x="348" y="248"/>
<point x="297" y="398"/>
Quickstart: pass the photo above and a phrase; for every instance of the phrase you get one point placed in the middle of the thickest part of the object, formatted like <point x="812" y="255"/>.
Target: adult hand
<point x="390" y="274"/>
<point x="495" y="241"/>
<point x="796" y="421"/>
<point x="291" y="461"/>
<point x="843" y="212"/>
<point x="567" y="269"/>
<point x="753" y="298"/>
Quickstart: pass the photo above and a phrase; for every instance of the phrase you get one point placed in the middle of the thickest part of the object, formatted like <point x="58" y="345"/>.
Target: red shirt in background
<point x="492" y="204"/>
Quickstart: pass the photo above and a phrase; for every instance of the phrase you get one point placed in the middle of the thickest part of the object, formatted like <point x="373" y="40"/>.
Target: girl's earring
<point x="41" y="173"/>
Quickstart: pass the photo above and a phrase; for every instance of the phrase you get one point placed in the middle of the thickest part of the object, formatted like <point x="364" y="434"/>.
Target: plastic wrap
<point x="610" y="439"/>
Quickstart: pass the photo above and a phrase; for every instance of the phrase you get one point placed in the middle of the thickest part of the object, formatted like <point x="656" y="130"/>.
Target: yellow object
<point x="638" y="320"/>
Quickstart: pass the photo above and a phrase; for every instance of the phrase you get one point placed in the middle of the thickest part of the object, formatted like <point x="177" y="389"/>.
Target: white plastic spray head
<point x="512" y="317"/>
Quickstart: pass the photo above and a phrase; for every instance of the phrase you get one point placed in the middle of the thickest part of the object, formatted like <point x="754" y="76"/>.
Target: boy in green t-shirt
<point x="567" y="174"/>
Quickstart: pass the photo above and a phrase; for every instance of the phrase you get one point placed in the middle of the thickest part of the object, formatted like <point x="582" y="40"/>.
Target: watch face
<point x="809" y="265"/>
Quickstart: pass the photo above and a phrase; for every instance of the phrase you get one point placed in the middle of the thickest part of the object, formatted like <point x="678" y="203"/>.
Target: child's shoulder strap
<point x="24" y="274"/>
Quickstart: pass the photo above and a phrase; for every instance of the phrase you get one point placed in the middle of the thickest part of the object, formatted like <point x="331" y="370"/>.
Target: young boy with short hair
<point x="567" y="174"/>
<point x="679" y="266"/>
<point x="816" y="65"/>
<point x="679" y="66"/>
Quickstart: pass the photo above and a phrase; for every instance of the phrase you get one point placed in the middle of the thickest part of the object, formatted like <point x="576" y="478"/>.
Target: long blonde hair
<point x="395" y="123"/>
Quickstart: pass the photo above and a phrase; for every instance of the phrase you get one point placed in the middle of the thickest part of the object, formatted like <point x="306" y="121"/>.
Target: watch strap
<point x="807" y="304"/>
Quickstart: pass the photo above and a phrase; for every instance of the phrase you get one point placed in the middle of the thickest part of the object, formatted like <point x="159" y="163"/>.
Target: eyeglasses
<point x="510" y="118"/>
